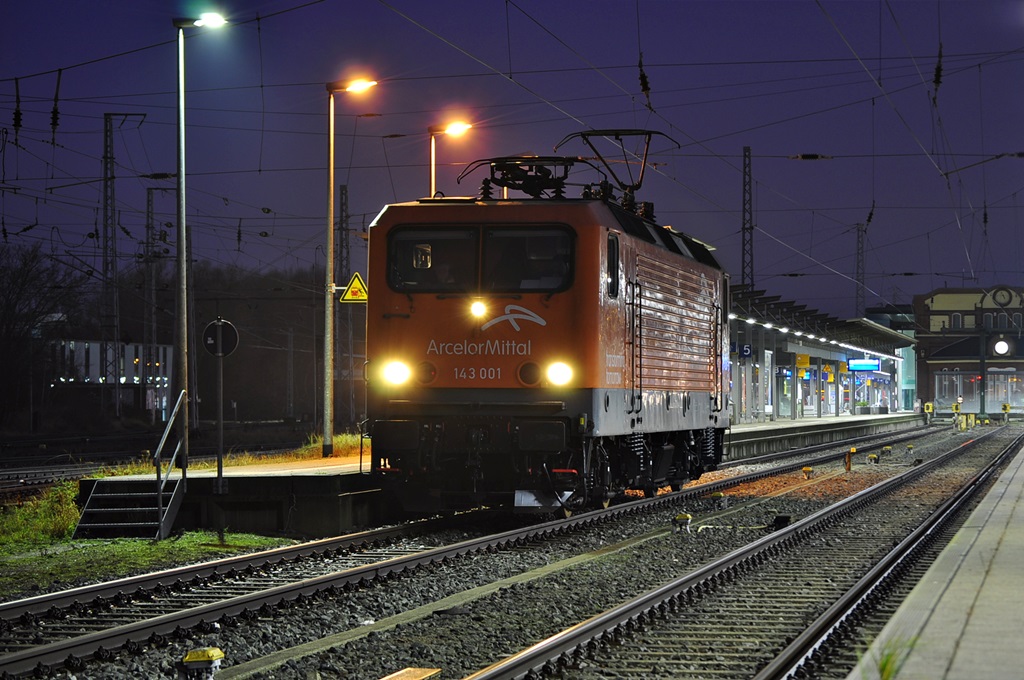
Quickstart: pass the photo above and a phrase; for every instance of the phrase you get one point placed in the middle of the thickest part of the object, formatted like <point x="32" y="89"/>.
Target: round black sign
<point x="220" y="338"/>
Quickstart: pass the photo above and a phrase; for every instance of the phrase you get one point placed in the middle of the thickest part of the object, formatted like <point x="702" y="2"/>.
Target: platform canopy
<point x="749" y="303"/>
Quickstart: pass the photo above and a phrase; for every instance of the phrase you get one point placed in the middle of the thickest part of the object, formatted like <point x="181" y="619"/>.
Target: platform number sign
<point x="745" y="350"/>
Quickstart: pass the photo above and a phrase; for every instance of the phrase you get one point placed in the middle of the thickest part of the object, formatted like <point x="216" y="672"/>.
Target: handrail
<point x="161" y="481"/>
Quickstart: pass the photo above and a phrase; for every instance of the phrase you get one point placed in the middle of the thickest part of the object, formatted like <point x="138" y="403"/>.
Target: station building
<point x="791" y="362"/>
<point x="969" y="349"/>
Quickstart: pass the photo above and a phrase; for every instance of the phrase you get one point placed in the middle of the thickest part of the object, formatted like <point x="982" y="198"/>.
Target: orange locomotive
<point x="541" y="352"/>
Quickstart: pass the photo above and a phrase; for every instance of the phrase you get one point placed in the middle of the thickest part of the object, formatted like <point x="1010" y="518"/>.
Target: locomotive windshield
<point x="486" y="259"/>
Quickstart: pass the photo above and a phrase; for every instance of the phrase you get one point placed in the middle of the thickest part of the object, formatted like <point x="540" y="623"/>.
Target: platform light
<point x="455" y="129"/>
<point x="182" y="307"/>
<point x="354" y="87"/>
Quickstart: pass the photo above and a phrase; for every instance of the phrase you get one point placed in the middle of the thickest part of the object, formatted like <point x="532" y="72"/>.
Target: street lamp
<point x="354" y="86"/>
<point x="454" y="129"/>
<point x="209" y="20"/>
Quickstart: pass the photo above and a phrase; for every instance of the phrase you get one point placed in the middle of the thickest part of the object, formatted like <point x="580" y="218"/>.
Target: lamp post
<point x="329" y="287"/>
<point x="209" y="20"/>
<point x="454" y="129"/>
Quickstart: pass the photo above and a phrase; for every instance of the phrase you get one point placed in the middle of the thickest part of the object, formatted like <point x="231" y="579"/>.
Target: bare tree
<point x="40" y="298"/>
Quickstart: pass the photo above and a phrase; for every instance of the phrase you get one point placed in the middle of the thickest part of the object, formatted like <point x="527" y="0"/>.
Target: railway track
<point x="145" y="635"/>
<point x="780" y="607"/>
<point x="70" y="626"/>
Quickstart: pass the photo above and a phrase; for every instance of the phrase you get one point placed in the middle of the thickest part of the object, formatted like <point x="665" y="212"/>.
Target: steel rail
<point x="41" y="604"/>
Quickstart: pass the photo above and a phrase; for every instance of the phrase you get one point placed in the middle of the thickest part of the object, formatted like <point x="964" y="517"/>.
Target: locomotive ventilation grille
<point x="677" y="326"/>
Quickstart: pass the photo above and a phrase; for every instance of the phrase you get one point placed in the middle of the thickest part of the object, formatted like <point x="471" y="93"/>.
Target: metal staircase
<point x="121" y="507"/>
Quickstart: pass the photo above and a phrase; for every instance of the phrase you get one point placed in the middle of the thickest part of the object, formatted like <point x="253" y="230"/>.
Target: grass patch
<point x="48" y="518"/>
<point x="889" y="659"/>
<point x="66" y="564"/>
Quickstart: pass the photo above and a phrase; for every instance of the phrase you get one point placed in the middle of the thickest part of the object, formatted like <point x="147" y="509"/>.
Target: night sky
<point x="913" y="102"/>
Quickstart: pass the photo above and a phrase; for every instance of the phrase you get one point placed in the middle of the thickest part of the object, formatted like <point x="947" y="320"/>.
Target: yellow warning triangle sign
<point x="355" y="291"/>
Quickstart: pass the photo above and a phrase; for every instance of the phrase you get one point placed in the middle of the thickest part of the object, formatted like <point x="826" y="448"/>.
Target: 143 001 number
<point x="477" y="373"/>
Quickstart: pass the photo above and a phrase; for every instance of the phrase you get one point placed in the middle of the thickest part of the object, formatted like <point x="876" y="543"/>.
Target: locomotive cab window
<point x="432" y="260"/>
<point x="533" y="260"/>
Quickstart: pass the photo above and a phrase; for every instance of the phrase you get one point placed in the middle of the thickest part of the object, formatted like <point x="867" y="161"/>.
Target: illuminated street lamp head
<point x="205" y="20"/>
<point x="454" y="129"/>
<point x="211" y="20"/>
<point x="360" y="85"/>
<point x="354" y="86"/>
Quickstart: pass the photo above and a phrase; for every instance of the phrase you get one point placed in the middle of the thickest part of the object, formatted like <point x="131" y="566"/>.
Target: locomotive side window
<point x="432" y="260"/>
<point x="526" y="260"/>
<point x="613" y="266"/>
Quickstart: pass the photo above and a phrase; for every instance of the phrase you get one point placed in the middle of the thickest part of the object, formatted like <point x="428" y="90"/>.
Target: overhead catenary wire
<point x="823" y="214"/>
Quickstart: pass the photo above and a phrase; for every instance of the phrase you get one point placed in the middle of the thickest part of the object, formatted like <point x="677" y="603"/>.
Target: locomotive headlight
<point x="396" y="373"/>
<point x="559" y="373"/>
<point x="478" y="309"/>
